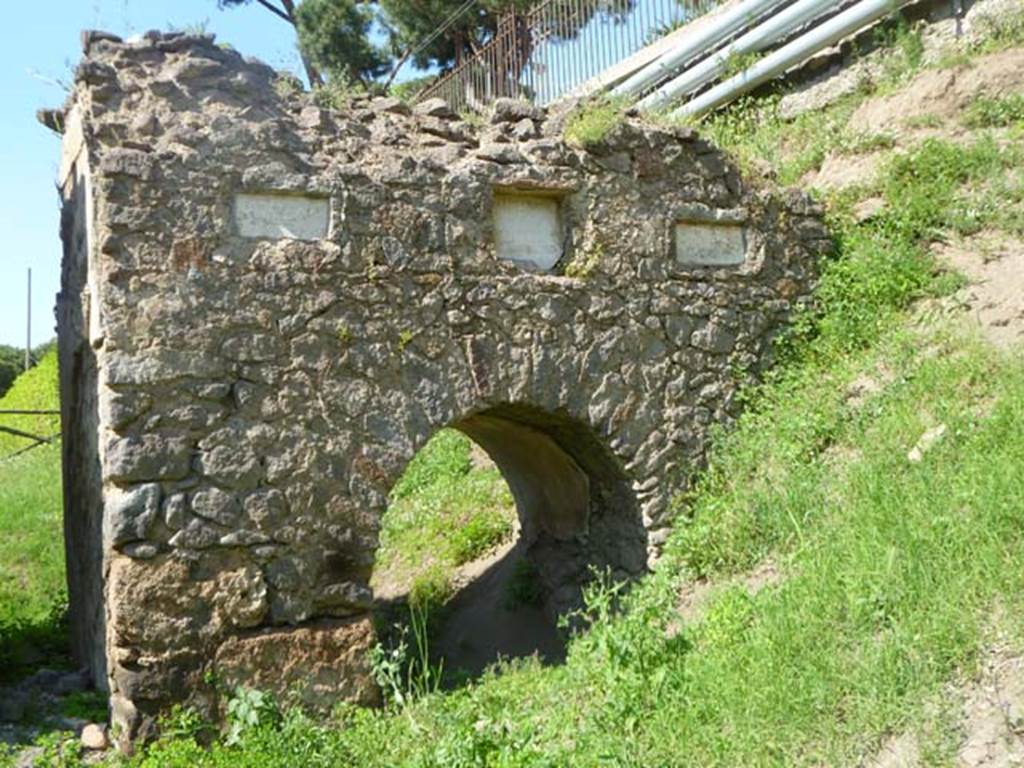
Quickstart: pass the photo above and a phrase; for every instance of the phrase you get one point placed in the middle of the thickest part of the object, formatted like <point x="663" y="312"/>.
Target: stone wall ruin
<point x="267" y="307"/>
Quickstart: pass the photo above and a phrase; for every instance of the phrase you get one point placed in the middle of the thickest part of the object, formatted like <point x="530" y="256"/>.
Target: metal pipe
<point x="757" y="39"/>
<point x="706" y="40"/>
<point x="822" y="36"/>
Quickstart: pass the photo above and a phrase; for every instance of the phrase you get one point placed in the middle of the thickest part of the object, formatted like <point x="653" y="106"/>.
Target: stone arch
<point x="576" y="506"/>
<point x="280" y="303"/>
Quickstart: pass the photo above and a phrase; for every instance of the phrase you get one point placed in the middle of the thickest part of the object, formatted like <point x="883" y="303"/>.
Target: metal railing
<point x="558" y="45"/>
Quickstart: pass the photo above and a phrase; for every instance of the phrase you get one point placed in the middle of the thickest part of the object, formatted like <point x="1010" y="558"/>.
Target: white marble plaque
<point x="706" y="244"/>
<point x="528" y="231"/>
<point x="276" y="216"/>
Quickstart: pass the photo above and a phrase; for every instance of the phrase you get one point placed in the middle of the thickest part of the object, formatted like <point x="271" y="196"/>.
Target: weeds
<point x="337" y="93"/>
<point x="593" y="121"/>
<point x="523" y="587"/>
<point x="287" y="85"/>
<point x="584" y="264"/>
<point x="988" y="112"/>
<point x="999" y="31"/>
<point x="405" y="671"/>
<point x="904" y="49"/>
<point x="249" y="709"/>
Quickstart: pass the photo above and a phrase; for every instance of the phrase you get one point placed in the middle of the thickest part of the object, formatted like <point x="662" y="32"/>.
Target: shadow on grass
<point x="496" y="615"/>
<point x="27" y="646"/>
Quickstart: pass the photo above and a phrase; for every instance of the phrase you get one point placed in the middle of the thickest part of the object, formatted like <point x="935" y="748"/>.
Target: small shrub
<point x="336" y="93"/>
<point x="593" y="121"/>
<point x="287" y="85"/>
<point x="403" y="668"/>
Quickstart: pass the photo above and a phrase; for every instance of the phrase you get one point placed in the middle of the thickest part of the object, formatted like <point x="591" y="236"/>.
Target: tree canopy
<point x="335" y="37"/>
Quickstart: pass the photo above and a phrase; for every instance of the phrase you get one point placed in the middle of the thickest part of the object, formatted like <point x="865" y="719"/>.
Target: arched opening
<point x="498" y="523"/>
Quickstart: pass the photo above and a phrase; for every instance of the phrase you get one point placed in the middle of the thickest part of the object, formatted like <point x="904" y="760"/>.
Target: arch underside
<point x="577" y="516"/>
<point x="576" y="508"/>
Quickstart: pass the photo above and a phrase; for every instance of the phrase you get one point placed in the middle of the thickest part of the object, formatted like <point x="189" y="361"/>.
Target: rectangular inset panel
<point x="276" y="216"/>
<point x="528" y="231"/>
<point x="706" y="244"/>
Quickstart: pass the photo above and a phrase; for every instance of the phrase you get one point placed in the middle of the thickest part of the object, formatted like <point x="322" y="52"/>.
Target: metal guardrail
<point x="556" y="46"/>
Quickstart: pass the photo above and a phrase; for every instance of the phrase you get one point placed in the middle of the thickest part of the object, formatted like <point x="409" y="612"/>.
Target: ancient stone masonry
<point x="268" y="307"/>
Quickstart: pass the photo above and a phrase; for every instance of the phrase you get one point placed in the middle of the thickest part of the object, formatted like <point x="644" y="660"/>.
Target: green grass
<point x="893" y="573"/>
<point x="32" y="588"/>
<point x="444" y="513"/>
<point x="988" y="112"/>
<point x="36" y="389"/>
<point x="593" y="121"/>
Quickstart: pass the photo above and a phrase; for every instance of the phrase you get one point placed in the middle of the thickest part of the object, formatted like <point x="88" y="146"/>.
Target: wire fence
<point x="34" y="440"/>
<point x="557" y="46"/>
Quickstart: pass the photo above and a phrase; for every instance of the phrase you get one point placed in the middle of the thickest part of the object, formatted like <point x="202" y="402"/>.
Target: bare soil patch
<point x="994" y="264"/>
<point x="694" y="595"/>
<point x="943" y="94"/>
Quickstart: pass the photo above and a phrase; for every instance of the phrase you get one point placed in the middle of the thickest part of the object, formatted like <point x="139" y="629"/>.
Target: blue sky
<point x="40" y="49"/>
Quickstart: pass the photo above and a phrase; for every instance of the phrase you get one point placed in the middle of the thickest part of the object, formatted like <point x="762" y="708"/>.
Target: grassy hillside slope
<point x="878" y="475"/>
<point x="36" y="389"/>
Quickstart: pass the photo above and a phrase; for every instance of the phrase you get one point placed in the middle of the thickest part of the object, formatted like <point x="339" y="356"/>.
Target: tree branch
<point x="312" y="73"/>
<point x="276" y="11"/>
<point x="398" y="66"/>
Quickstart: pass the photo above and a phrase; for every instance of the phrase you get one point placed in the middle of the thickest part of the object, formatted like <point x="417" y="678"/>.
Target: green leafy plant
<point x="182" y="722"/>
<point x="249" y="709"/>
<point x="86" y="705"/>
<point x="403" y="669"/>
